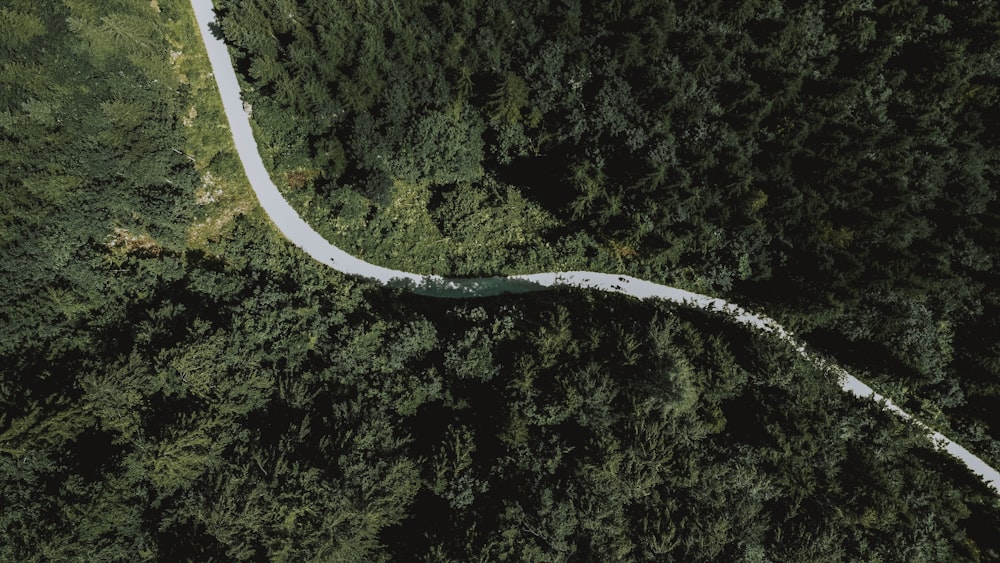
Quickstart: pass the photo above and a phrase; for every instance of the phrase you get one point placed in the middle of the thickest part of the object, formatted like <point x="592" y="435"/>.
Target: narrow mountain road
<point x="302" y="235"/>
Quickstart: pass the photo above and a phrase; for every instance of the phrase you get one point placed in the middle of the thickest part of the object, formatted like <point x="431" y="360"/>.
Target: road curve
<point x="302" y="235"/>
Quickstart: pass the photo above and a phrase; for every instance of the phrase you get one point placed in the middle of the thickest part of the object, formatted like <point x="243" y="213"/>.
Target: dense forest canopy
<point x="179" y="383"/>
<point x="834" y="163"/>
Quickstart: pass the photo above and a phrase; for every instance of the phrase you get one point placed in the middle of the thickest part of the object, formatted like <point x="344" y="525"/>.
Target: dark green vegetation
<point x="833" y="163"/>
<point x="167" y="394"/>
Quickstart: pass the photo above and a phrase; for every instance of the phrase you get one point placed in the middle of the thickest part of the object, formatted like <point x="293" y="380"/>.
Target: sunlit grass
<point x="224" y="192"/>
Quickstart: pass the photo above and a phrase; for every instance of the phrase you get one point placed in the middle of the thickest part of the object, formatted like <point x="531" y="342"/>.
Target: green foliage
<point x="828" y="164"/>
<point x="510" y="99"/>
<point x="443" y="149"/>
<point x="19" y="28"/>
<point x="234" y="400"/>
<point x="807" y="159"/>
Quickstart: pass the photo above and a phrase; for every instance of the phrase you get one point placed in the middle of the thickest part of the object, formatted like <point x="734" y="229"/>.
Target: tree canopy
<point x="835" y="165"/>
<point x="179" y="383"/>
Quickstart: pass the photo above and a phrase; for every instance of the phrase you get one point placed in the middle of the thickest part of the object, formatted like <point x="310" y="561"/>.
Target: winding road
<point x="302" y="235"/>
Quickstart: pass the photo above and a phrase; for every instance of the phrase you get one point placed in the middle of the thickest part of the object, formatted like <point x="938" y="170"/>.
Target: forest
<point x="832" y="164"/>
<point x="180" y="383"/>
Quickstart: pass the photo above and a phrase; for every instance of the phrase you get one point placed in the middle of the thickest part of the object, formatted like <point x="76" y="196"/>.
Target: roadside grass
<point x="224" y="192"/>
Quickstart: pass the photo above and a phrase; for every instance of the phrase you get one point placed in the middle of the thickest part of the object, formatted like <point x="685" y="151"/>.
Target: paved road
<point x="303" y="236"/>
